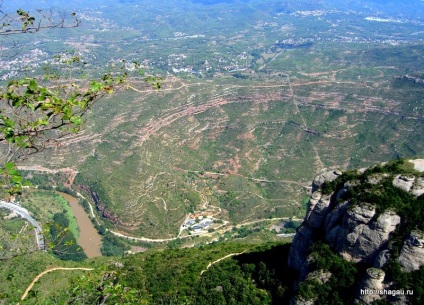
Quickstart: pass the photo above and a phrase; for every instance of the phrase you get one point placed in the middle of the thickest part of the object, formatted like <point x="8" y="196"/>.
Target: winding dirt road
<point x="220" y="259"/>
<point x="45" y="272"/>
<point x="145" y="239"/>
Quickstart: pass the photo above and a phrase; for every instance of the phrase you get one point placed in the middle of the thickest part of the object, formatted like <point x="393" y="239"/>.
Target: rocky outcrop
<point x="411" y="184"/>
<point x="418" y="164"/>
<point x="350" y="230"/>
<point x="382" y="258"/>
<point x="300" y="247"/>
<point x="367" y="290"/>
<point x="404" y="182"/>
<point x="418" y="188"/>
<point x="376" y="178"/>
<point x="328" y="176"/>
<point x="412" y="254"/>
<point x="333" y="218"/>
<point x="101" y="207"/>
<point x="318" y="209"/>
<point x="321" y="276"/>
<point x="357" y="231"/>
<point x="358" y="238"/>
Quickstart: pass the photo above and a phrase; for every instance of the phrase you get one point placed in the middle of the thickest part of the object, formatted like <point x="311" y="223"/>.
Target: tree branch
<point x="23" y="22"/>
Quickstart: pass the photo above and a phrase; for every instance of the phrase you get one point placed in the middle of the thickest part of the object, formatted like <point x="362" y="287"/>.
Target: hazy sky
<point x="413" y="8"/>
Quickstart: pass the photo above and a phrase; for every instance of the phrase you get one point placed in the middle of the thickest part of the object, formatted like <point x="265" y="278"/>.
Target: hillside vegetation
<point x="247" y="147"/>
<point x="259" y="97"/>
<point x="253" y="275"/>
<point x="237" y="273"/>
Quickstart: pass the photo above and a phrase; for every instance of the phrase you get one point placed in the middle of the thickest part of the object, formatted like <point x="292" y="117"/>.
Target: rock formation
<point x="412" y="254"/>
<point x="372" y="282"/>
<point x="358" y="231"/>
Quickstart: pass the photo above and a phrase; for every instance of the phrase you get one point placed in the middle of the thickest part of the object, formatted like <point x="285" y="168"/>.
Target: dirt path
<point x="205" y="234"/>
<point x="45" y="272"/>
<point x="267" y="219"/>
<point x="159" y="240"/>
<point x="40" y="168"/>
<point x="72" y="173"/>
<point x="220" y="259"/>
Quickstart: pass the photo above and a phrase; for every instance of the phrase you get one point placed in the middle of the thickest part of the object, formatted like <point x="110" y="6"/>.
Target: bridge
<point x="25" y="214"/>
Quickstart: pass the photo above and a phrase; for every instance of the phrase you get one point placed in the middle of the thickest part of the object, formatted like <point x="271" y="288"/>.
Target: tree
<point x="37" y="111"/>
<point x="26" y="22"/>
<point x="23" y="111"/>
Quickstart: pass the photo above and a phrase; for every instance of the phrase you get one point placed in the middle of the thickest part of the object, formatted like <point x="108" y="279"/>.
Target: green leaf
<point x="17" y="179"/>
<point x="21" y="12"/>
<point x="9" y="166"/>
<point x="67" y="111"/>
<point x="40" y="122"/>
<point x="33" y="86"/>
<point x="31" y="106"/>
<point x="76" y="120"/>
<point x="46" y="106"/>
<point x="13" y="172"/>
<point x="95" y="86"/>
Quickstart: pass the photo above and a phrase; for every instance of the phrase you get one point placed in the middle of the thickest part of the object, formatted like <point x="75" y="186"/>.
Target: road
<point x="145" y="238"/>
<point x="220" y="259"/>
<point x="25" y="214"/>
<point x="221" y="231"/>
<point x="45" y="272"/>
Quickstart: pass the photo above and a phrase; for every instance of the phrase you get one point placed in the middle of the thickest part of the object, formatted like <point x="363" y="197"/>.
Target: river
<point x="89" y="239"/>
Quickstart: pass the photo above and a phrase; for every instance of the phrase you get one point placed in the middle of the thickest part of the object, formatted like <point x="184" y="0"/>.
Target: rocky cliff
<point x="362" y="237"/>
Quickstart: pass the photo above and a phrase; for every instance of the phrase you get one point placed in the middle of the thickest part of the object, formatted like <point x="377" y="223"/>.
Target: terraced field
<point x="249" y="146"/>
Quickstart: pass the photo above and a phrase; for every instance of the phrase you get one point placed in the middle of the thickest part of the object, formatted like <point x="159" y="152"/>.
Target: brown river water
<point x="89" y="239"/>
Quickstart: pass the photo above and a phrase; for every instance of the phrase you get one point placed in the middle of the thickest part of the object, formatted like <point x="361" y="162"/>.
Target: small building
<point x="197" y="228"/>
<point x="205" y="223"/>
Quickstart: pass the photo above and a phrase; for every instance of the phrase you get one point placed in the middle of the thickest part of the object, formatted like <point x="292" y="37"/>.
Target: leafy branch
<point x="26" y="22"/>
<point x="36" y="113"/>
